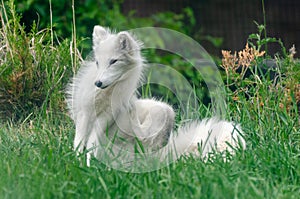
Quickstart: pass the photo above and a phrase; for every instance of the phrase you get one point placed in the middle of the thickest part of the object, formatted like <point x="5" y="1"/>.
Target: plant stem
<point x="265" y="24"/>
<point x="51" y="22"/>
<point x="74" y="44"/>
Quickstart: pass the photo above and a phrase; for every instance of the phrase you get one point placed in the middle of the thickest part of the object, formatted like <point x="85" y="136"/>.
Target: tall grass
<point x="37" y="159"/>
<point x="33" y="70"/>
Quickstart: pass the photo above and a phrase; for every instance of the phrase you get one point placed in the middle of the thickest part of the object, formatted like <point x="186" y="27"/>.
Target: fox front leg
<point x="82" y="132"/>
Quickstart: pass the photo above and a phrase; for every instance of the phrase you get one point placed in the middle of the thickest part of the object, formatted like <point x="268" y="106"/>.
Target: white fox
<point x="102" y="102"/>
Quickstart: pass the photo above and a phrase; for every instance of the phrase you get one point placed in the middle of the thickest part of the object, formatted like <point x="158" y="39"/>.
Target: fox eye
<point x="112" y="61"/>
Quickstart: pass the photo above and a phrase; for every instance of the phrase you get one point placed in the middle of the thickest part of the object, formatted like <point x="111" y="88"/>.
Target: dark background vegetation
<point x="217" y="24"/>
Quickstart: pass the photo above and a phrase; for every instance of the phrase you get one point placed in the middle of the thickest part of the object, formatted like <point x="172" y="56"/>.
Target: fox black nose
<point x="98" y="83"/>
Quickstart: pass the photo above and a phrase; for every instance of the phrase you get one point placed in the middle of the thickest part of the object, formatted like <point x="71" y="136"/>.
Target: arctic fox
<point x="103" y="104"/>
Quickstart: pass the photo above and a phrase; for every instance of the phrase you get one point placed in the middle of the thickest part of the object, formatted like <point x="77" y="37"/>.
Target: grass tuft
<point x="33" y="70"/>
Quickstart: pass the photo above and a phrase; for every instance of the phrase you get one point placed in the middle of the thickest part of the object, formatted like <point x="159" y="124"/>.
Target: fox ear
<point x="99" y="34"/>
<point x="126" y="42"/>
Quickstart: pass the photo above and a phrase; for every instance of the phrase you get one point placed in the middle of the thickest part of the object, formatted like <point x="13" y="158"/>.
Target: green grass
<point x="37" y="159"/>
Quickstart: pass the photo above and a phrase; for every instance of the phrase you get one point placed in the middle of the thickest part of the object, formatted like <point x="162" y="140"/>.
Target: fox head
<point x="115" y="55"/>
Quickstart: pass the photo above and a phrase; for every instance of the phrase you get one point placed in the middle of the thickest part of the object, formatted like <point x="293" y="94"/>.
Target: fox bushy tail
<point x="200" y="138"/>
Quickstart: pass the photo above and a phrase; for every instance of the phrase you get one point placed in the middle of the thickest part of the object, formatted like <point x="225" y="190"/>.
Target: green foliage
<point x="33" y="71"/>
<point x="89" y="13"/>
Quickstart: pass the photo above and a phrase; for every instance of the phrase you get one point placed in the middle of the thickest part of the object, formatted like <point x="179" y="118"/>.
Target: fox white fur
<point x="103" y="103"/>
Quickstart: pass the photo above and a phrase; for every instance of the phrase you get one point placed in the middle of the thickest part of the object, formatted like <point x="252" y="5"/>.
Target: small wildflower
<point x="229" y="61"/>
<point x="292" y="51"/>
<point x="281" y="105"/>
<point x="245" y="58"/>
<point x="248" y="55"/>
<point x="261" y="104"/>
<point x="235" y="98"/>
